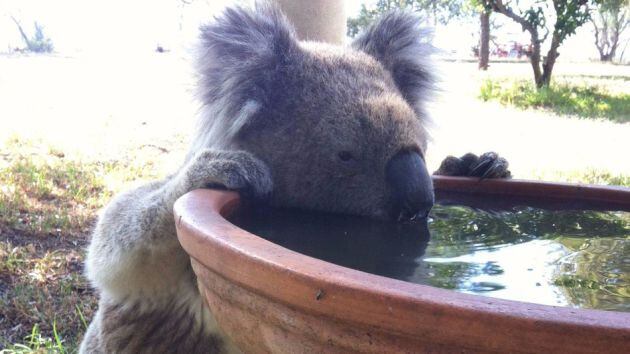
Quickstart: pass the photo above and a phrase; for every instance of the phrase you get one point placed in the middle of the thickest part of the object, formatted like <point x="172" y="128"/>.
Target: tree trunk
<point x="484" y="41"/>
<point x="607" y="35"/>
<point x="545" y="79"/>
<point x="316" y="20"/>
<point x="623" y="51"/>
<point x="534" y="59"/>
<point x="549" y="62"/>
<point x="614" y="40"/>
<point x="27" y="41"/>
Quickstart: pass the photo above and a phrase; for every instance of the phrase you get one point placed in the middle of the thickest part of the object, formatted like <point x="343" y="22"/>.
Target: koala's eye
<point x="345" y="156"/>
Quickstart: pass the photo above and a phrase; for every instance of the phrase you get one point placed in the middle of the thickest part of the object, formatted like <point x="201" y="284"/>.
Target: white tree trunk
<point x="317" y="20"/>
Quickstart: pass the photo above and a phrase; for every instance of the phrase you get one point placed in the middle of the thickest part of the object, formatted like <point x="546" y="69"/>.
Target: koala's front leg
<point x="134" y="249"/>
<point x="488" y="165"/>
<point x="149" y="301"/>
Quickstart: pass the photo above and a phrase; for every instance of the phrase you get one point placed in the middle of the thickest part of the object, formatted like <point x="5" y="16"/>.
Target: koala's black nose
<point x="411" y="185"/>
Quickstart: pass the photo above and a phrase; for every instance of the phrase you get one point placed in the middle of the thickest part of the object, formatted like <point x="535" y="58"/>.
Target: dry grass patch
<point x="46" y="299"/>
<point x="45" y="193"/>
<point x="48" y="205"/>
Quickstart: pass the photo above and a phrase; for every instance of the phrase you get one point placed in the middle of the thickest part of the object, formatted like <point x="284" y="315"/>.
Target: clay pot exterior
<point x="268" y="299"/>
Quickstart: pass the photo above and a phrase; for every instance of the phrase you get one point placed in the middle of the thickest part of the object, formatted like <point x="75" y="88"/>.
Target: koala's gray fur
<point x="297" y="124"/>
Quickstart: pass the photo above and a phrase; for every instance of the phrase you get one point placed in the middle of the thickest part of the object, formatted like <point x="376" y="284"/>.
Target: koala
<point x="287" y="123"/>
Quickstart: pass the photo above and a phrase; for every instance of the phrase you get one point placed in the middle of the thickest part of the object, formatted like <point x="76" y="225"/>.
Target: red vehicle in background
<point x="512" y="49"/>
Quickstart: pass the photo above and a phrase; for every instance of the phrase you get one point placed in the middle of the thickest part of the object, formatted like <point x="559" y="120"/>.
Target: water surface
<point x="562" y="257"/>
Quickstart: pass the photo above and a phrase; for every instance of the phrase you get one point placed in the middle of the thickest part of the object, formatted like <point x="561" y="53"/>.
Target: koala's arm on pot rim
<point x="148" y="293"/>
<point x="136" y="231"/>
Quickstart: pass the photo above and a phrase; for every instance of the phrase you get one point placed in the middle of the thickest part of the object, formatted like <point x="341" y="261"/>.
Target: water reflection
<point x="390" y="249"/>
<point x="570" y="258"/>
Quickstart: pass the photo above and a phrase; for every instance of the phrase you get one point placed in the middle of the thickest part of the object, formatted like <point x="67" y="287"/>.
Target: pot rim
<point x="348" y="295"/>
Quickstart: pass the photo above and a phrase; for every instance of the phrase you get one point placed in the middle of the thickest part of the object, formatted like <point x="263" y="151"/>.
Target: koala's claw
<point x="488" y="165"/>
<point x="233" y="170"/>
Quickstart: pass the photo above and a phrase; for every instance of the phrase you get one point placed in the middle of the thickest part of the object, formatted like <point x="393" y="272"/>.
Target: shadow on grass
<point x="563" y="99"/>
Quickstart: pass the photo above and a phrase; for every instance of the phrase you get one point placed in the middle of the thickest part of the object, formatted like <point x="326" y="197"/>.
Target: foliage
<point x="569" y="16"/>
<point x="613" y="5"/>
<point x="38" y="42"/>
<point x="565" y="99"/>
<point x="441" y="11"/>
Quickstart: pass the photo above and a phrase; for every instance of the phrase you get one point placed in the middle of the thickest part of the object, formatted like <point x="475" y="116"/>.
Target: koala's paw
<point x="488" y="165"/>
<point x="234" y="170"/>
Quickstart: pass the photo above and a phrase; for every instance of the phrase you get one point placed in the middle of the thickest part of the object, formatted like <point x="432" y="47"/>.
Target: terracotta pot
<point x="270" y="299"/>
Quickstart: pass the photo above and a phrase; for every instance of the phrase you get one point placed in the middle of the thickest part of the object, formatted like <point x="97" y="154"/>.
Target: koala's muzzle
<point x="411" y="185"/>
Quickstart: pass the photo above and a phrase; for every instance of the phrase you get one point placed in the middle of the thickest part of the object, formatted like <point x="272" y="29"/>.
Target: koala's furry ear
<point x="400" y="44"/>
<point x="240" y="56"/>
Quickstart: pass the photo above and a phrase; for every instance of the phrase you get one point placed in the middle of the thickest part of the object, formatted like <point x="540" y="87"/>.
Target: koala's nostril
<point x="411" y="185"/>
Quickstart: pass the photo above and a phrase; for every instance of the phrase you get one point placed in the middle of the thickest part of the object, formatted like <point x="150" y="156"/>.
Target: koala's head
<point x="341" y="129"/>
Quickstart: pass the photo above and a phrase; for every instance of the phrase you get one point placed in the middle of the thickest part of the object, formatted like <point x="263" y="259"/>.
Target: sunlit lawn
<point x="571" y="95"/>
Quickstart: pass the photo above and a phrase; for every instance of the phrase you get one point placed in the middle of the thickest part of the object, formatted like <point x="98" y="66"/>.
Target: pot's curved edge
<point x="582" y="195"/>
<point x="330" y="290"/>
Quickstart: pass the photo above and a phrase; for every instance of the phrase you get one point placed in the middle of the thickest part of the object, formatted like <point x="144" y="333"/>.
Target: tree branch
<point x="601" y="53"/>
<point x="499" y="7"/>
<point x="24" y="36"/>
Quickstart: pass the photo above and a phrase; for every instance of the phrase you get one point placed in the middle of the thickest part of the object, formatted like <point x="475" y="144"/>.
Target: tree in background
<point x="487" y="25"/>
<point x="439" y="11"/>
<point x="38" y="42"/>
<point x="569" y="16"/>
<point x="485" y="10"/>
<point x="610" y="20"/>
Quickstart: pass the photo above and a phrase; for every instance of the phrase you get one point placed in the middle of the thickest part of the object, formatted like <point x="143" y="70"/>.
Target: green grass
<point x="48" y="205"/>
<point x="587" y="176"/>
<point x="35" y="343"/>
<point x="564" y="98"/>
<point x="43" y="192"/>
<point x="45" y="300"/>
